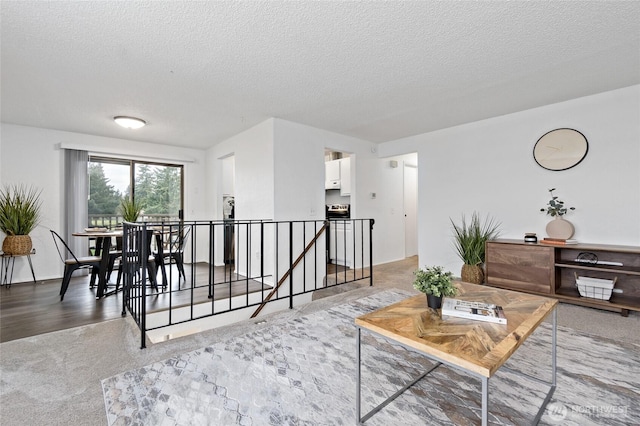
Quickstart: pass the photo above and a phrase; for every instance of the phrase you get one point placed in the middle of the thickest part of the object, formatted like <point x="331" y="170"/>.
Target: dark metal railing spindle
<point x="291" y="265"/>
<point x="265" y="236"/>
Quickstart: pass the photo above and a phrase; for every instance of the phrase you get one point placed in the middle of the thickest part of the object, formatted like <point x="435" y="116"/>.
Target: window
<point x="158" y="187"/>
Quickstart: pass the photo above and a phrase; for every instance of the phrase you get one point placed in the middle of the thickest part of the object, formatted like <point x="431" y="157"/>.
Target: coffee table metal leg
<point x="554" y="342"/>
<point x="359" y="419"/>
<point x="358" y="376"/>
<point x="554" y="345"/>
<point x="485" y="381"/>
<point x="552" y="383"/>
<point x="485" y="400"/>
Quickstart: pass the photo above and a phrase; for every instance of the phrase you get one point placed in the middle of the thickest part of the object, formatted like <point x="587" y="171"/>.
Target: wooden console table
<point x="551" y="270"/>
<point x="8" y="263"/>
<point x="479" y="348"/>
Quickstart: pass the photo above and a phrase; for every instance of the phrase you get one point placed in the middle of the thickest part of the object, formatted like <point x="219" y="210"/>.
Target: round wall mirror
<point x="560" y="149"/>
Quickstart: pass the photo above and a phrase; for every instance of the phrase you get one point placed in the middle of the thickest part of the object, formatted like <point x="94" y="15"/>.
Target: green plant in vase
<point x="436" y="283"/>
<point x="130" y="209"/>
<point x="20" y="212"/>
<point x="469" y="241"/>
<point x="559" y="227"/>
<point x="555" y="206"/>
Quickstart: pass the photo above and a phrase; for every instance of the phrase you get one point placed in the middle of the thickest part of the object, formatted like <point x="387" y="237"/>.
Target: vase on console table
<point x="560" y="228"/>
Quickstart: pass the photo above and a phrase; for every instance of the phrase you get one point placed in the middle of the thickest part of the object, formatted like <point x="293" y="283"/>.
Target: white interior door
<point x="410" y="210"/>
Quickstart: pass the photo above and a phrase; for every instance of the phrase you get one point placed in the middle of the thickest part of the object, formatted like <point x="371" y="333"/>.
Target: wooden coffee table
<point x="479" y="348"/>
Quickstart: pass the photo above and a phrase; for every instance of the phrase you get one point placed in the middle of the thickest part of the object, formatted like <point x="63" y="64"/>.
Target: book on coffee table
<point x="473" y="310"/>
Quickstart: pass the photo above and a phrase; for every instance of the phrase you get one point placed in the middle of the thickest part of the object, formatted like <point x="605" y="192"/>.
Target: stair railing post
<point x="371" y="222"/>
<point x="125" y="288"/>
<point x="262" y="257"/>
<point x="291" y="265"/>
<point x="142" y="251"/>
<point x="212" y="260"/>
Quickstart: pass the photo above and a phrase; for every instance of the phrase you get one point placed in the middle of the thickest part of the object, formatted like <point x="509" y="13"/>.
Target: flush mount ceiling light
<point x="129" y="122"/>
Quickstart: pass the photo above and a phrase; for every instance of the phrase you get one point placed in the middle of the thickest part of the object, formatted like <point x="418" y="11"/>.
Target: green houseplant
<point x="436" y="283"/>
<point x="20" y="212"/>
<point x="130" y="209"/>
<point x="555" y="206"/>
<point x="469" y="241"/>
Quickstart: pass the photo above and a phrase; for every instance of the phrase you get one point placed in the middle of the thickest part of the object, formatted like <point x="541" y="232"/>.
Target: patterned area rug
<point x="302" y="372"/>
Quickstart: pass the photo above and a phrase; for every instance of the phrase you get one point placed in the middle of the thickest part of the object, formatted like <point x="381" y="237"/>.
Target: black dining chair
<point x="131" y="262"/>
<point x="173" y="251"/>
<point x="115" y="255"/>
<point x="71" y="262"/>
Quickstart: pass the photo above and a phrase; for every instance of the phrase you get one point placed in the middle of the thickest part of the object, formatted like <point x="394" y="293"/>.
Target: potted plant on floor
<point x="436" y="283"/>
<point x="20" y="211"/>
<point x="469" y="241"/>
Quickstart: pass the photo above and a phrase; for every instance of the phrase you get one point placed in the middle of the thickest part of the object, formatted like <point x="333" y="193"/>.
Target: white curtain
<point x="76" y="195"/>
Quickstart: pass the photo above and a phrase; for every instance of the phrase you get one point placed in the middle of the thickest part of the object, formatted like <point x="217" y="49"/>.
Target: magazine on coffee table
<point x="473" y="310"/>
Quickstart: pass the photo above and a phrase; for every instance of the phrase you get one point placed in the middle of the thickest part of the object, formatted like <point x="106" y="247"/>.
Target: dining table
<point x="103" y="238"/>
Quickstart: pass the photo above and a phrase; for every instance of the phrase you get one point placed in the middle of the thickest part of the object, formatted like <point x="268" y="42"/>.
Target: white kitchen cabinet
<point x="332" y="174"/>
<point x="345" y="176"/>
<point x="341" y="243"/>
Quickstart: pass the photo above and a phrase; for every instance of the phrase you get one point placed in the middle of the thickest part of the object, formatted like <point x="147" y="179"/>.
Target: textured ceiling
<point x="200" y="72"/>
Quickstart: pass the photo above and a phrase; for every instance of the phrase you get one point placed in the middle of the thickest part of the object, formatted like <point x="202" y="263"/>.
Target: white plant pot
<point x="560" y="228"/>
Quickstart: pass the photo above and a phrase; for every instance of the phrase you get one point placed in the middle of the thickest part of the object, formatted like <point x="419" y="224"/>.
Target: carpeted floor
<point x="301" y="371"/>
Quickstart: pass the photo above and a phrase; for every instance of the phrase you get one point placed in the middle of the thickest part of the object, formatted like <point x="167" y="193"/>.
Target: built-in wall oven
<point x="338" y="233"/>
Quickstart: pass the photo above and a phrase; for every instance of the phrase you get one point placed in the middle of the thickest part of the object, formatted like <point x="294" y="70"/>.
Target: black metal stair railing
<point x="290" y="270"/>
<point x="232" y="265"/>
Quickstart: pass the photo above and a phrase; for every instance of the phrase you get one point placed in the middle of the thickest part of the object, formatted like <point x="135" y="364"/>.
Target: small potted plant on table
<point x="436" y="283"/>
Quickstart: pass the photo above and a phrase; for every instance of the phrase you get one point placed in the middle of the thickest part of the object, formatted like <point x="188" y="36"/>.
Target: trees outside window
<point x="158" y="187"/>
<point x="103" y="197"/>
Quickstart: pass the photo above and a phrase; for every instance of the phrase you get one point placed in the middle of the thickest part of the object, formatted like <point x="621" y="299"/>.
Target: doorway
<point x="410" y="204"/>
<point x="229" y="208"/>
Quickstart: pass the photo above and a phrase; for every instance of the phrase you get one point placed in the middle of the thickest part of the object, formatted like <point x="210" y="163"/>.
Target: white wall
<point x="299" y="171"/>
<point x="387" y="208"/>
<point x="488" y="167"/>
<point x="300" y="183"/>
<point x="254" y="185"/>
<point x="295" y="178"/>
<point x="253" y="168"/>
<point x="228" y="175"/>
<point x="299" y="168"/>
<point x="30" y="156"/>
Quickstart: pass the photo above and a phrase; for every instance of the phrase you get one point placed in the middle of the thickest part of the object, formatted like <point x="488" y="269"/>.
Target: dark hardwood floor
<point x="28" y="309"/>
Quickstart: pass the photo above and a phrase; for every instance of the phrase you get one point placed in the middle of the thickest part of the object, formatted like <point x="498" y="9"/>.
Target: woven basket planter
<point x="472" y="274"/>
<point x="17" y="244"/>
